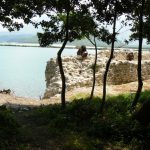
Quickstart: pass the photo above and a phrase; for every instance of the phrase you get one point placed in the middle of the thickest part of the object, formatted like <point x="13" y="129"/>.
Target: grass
<point x="79" y="127"/>
<point x="80" y="96"/>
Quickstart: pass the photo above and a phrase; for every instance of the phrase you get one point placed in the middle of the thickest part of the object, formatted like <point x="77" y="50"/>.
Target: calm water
<point x="22" y="69"/>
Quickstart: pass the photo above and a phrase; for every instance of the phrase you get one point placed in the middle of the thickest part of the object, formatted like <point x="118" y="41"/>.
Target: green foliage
<point x="81" y="125"/>
<point x="75" y="141"/>
<point x="78" y="127"/>
<point x="6" y="13"/>
<point x="80" y="96"/>
<point x="9" y="127"/>
<point x="144" y="96"/>
<point x="135" y="19"/>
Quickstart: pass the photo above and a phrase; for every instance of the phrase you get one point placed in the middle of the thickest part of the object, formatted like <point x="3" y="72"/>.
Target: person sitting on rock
<point x="130" y="55"/>
<point x="82" y="52"/>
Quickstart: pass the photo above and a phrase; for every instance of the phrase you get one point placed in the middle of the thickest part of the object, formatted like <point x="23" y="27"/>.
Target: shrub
<point x="9" y="127"/>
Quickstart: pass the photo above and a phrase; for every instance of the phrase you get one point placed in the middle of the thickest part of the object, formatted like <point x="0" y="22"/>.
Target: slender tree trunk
<point x="139" y="69"/>
<point x="108" y="63"/>
<point x="59" y="59"/>
<point x="94" y="70"/>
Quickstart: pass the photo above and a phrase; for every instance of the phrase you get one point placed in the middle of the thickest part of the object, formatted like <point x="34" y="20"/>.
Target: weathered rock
<point x="4" y="91"/>
<point x="79" y="73"/>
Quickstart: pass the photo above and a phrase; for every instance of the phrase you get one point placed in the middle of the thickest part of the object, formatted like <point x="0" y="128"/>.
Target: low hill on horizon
<point x="18" y="38"/>
<point x="32" y="38"/>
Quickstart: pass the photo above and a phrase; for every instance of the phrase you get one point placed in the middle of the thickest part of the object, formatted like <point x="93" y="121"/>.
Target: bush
<point x="9" y="127"/>
<point x="81" y="126"/>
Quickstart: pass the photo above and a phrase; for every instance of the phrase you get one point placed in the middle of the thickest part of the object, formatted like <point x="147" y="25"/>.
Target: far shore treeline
<point x="72" y="47"/>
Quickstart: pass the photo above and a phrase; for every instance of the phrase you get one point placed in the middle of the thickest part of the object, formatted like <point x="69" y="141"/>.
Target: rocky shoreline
<point x="79" y="73"/>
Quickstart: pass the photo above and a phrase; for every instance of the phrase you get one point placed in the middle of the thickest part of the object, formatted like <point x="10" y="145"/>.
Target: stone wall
<point x="79" y="73"/>
<point x="126" y="71"/>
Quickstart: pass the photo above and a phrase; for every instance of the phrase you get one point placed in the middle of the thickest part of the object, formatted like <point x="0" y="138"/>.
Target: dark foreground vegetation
<point x="78" y="127"/>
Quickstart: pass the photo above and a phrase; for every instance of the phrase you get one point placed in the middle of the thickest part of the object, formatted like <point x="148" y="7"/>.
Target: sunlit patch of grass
<point x="144" y="96"/>
<point x="80" y="95"/>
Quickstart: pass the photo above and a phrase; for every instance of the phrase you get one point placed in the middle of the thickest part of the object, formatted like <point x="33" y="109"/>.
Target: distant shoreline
<point x="67" y="46"/>
<point x="51" y="46"/>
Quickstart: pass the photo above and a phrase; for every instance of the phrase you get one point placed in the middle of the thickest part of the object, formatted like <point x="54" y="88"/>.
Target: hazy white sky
<point x="25" y="30"/>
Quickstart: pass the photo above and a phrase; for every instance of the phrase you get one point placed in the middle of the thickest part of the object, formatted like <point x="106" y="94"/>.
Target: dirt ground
<point x="13" y="100"/>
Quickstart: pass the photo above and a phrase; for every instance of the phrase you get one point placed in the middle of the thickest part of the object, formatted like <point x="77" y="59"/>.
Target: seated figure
<point x="130" y="55"/>
<point x="82" y="52"/>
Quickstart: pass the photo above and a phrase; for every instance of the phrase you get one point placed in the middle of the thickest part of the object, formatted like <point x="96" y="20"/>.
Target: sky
<point x="27" y="29"/>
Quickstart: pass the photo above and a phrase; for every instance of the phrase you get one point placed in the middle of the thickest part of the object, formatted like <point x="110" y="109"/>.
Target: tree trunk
<point x="94" y="70"/>
<point x="139" y="69"/>
<point x="59" y="59"/>
<point x="108" y="63"/>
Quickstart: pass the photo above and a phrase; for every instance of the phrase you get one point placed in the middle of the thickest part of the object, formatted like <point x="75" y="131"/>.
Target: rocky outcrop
<point x="79" y="73"/>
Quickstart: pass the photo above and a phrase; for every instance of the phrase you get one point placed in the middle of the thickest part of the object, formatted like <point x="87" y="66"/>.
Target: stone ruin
<point x="79" y="73"/>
